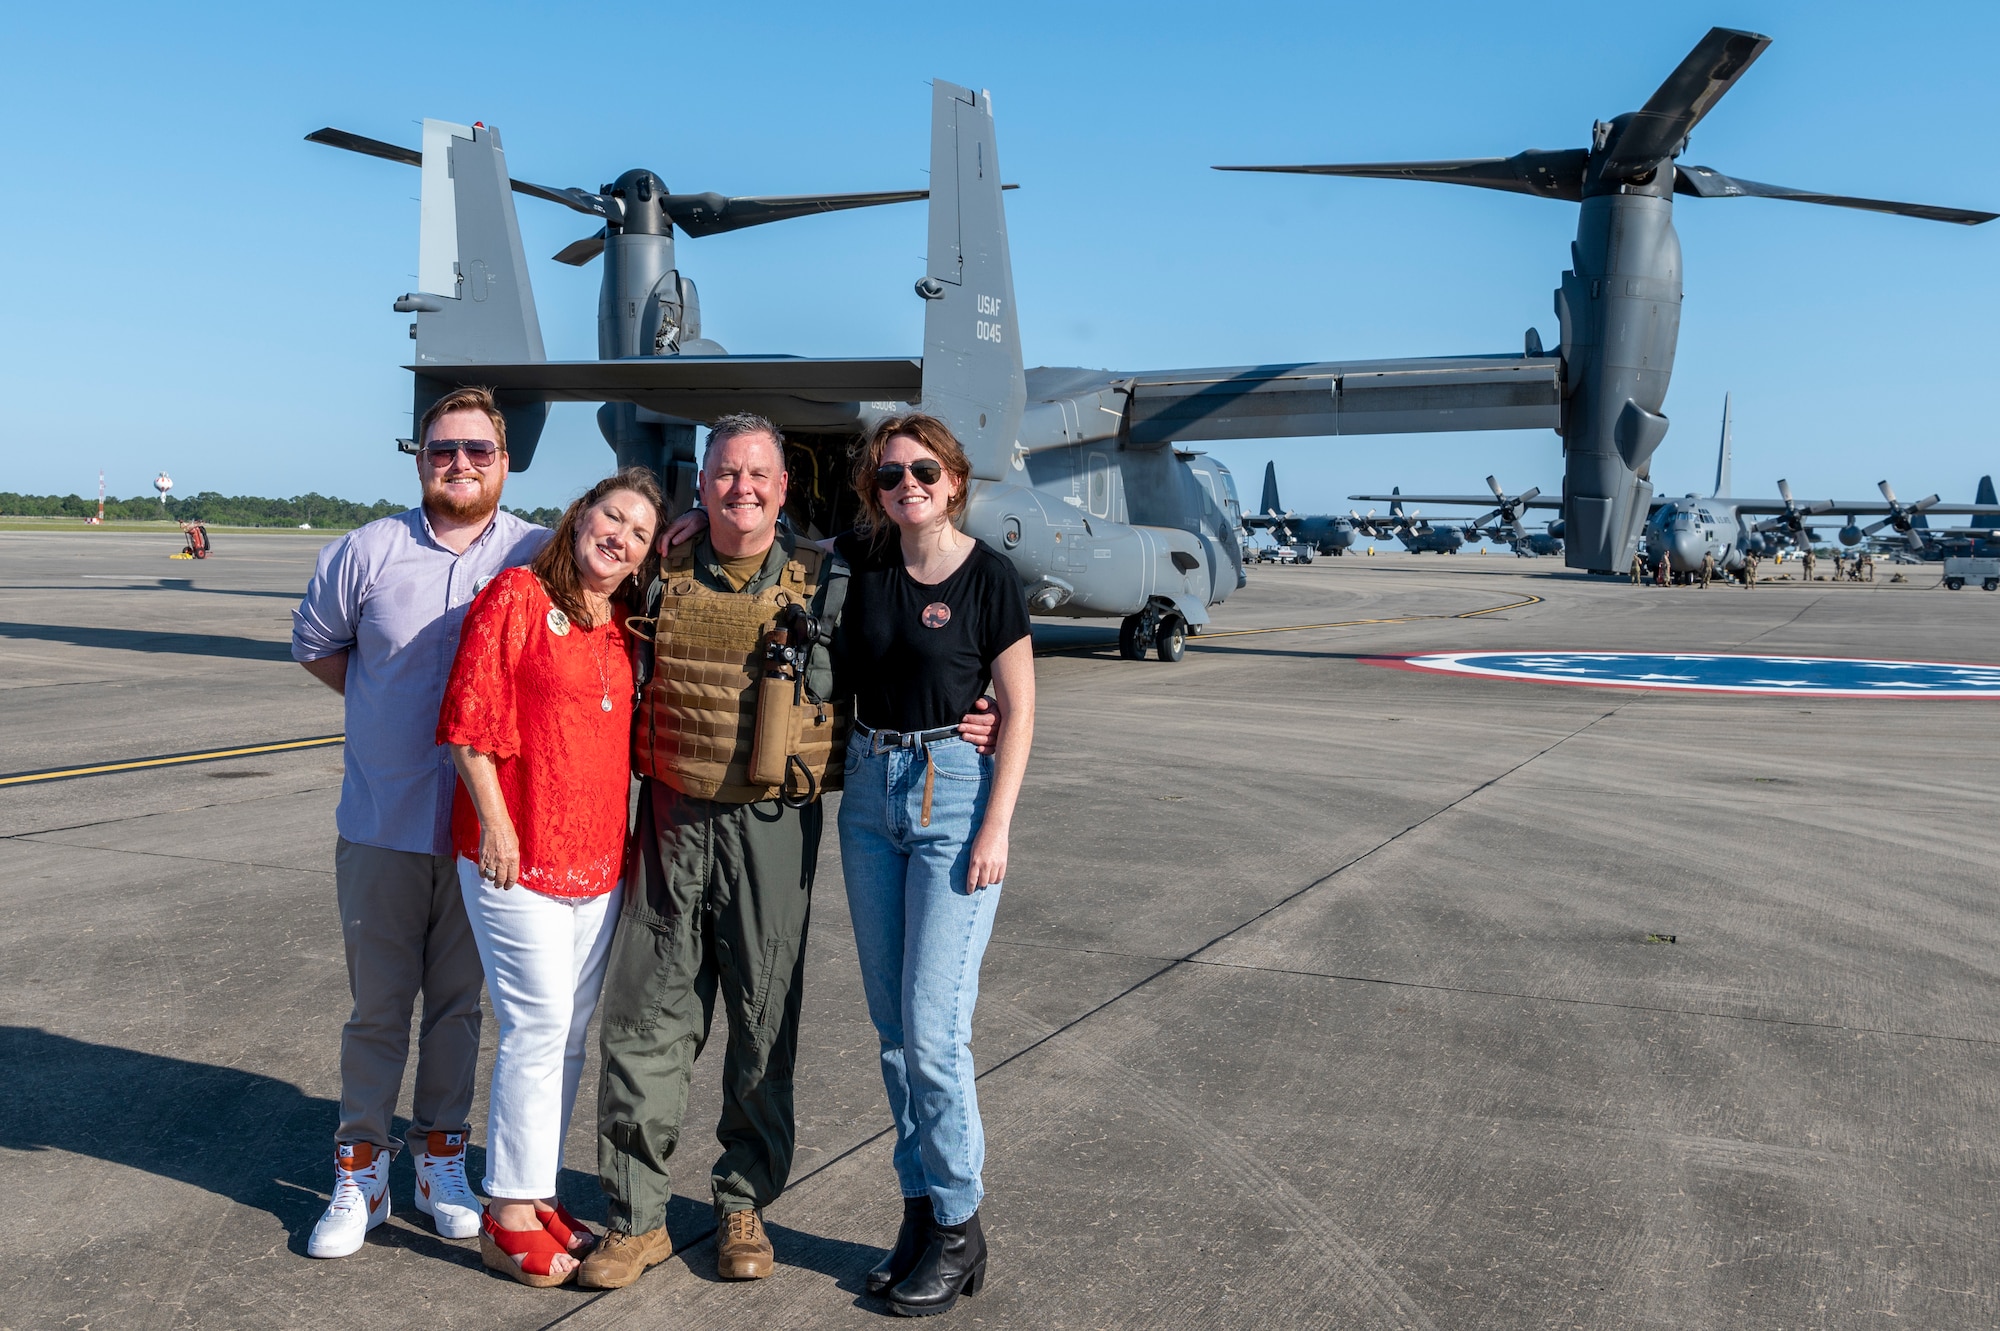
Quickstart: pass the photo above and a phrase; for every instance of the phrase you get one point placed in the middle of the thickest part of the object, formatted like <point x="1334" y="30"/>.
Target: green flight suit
<point x="717" y="900"/>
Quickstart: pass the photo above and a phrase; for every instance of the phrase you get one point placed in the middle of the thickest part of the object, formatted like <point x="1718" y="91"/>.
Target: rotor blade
<point x="712" y="214"/>
<point x="1528" y="495"/>
<point x="1656" y="130"/>
<point x="1887" y="493"/>
<point x="580" y="252"/>
<point x="1784" y="492"/>
<point x="356" y="143"/>
<point x="1554" y="175"/>
<point x="581" y="200"/>
<point x="1874" y="527"/>
<point x="1493" y="484"/>
<point x="1705" y="182"/>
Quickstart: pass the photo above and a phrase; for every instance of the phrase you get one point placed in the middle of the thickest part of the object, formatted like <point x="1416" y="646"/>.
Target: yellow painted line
<point x="169" y="760"/>
<point x="1196" y="640"/>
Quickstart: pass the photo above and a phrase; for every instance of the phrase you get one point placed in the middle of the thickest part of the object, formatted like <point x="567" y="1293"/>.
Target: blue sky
<point x="188" y="285"/>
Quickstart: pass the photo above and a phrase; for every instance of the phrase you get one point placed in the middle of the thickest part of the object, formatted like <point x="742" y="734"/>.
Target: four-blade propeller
<point x="1509" y="510"/>
<point x="1793" y="520"/>
<point x="1901" y="516"/>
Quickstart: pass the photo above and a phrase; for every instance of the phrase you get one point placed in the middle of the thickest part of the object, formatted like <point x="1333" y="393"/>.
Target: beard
<point x="473" y="508"/>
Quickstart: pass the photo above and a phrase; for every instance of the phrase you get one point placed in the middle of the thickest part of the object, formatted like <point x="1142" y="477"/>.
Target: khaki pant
<point x="717" y="899"/>
<point x="403" y="922"/>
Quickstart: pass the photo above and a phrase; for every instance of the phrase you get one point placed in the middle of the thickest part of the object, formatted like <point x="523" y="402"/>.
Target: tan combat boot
<point x="742" y="1252"/>
<point x="619" y="1258"/>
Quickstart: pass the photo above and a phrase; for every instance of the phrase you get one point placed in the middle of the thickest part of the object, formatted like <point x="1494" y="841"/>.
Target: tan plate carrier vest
<point x="698" y="713"/>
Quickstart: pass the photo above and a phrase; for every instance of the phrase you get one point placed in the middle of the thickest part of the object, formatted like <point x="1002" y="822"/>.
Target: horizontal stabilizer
<point x="690" y="387"/>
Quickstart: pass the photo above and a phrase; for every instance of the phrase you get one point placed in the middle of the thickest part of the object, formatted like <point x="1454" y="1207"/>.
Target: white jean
<point x="544" y="958"/>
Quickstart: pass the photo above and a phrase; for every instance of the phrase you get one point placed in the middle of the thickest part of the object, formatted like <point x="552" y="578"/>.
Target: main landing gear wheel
<point x="1170" y="639"/>
<point x="1132" y="643"/>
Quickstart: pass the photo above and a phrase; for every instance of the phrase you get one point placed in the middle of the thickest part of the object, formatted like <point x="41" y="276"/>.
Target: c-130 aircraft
<point x="1719" y="531"/>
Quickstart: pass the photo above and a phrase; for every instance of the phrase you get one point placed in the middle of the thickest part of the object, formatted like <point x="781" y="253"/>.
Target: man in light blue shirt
<point x="379" y="625"/>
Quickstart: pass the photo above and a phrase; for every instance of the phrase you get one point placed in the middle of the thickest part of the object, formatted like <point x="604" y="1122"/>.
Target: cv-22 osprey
<point x="1080" y="475"/>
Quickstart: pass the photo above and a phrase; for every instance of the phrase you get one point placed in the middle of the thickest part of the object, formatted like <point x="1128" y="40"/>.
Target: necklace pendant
<point x="606" y="702"/>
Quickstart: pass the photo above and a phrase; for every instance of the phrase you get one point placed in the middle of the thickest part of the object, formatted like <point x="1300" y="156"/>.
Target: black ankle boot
<point x="911" y="1240"/>
<point x="953" y="1263"/>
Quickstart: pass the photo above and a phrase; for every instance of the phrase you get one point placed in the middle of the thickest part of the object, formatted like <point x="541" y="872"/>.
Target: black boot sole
<point x="974" y="1279"/>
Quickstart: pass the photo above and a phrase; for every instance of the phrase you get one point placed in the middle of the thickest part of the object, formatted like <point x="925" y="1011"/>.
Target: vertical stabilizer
<point x="1986" y="496"/>
<point x="973" y="376"/>
<point x="1269" y="503"/>
<point x="474" y="305"/>
<point x="1722" y="455"/>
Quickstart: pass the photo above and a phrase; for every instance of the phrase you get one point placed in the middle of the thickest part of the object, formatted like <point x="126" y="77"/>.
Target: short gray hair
<point x="725" y="428"/>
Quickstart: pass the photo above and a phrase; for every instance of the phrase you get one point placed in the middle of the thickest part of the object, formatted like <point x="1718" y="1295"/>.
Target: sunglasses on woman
<point x="479" y="452"/>
<point x="890" y="474"/>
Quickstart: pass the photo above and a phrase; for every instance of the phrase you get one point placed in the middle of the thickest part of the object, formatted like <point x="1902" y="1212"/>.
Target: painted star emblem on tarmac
<point x="1790" y="676"/>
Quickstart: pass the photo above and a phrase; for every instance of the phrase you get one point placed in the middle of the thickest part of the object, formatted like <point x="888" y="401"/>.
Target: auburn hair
<point x="555" y="565"/>
<point x="930" y="433"/>
<point x="473" y="398"/>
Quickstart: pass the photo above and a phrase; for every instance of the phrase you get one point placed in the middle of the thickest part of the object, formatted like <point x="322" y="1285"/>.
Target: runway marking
<point x="166" y="760"/>
<point x="1714" y="672"/>
<point x="1198" y="639"/>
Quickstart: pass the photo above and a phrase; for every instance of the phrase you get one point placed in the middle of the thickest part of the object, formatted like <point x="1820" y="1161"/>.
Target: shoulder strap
<point x="803" y="568"/>
<point x="680" y="558"/>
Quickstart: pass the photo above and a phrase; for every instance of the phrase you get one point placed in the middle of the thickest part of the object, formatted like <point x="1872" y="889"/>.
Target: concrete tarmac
<point x="1320" y="994"/>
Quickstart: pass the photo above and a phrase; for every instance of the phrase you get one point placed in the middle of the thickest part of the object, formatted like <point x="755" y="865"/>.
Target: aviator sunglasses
<point x="479" y="452"/>
<point x="890" y="474"/>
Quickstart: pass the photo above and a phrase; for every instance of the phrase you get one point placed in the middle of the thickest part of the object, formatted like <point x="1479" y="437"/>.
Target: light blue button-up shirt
<point x="393" y="598"/>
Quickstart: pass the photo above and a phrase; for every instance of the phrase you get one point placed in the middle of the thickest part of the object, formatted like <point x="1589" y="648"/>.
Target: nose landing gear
<point x="1156" y="629"/>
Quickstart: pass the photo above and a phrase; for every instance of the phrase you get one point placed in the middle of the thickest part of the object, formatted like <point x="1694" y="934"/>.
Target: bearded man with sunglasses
<point x="379" y="626"/>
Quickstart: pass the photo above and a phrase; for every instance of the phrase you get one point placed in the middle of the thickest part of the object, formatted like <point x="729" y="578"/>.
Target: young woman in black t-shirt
<point x="932" y="616"/>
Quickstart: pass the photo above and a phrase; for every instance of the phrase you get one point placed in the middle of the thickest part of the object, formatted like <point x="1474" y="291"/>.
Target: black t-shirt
<point x="916" y="657"/>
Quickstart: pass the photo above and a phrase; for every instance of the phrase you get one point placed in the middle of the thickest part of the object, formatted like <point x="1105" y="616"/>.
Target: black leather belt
<point x="881" y="741"/>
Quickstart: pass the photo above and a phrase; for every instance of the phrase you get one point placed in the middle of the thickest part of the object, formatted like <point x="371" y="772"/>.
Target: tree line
<point x="221" y="510"/>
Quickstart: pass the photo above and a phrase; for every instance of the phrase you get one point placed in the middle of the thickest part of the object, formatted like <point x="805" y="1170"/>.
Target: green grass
<point x="130" y="527"/>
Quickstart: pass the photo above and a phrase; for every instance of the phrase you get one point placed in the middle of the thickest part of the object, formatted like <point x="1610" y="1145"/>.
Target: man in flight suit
<point x="718" y="884"/>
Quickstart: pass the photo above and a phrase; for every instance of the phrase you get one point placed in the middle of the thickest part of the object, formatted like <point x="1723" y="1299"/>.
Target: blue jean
<point x="920" y="937"/>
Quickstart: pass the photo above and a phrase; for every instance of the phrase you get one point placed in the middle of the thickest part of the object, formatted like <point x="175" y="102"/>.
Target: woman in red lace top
<point x="538" y="714"/>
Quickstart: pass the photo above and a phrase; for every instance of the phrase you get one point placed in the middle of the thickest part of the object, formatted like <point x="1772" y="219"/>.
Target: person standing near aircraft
<point x="720" y="871"/>
<point x="932" y="617"/>
<point x="378" y="625"/>
<point x="538" y="717"/>
<point x="1749" y="569"/>
<point x="1638" y="568"/>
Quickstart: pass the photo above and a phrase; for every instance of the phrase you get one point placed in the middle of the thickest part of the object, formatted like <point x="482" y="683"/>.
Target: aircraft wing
<point x="1345" y="397"/>
<point x="1485" y="501"/>
<point x="697" y="387"/>
<point x="1822" y="507"/>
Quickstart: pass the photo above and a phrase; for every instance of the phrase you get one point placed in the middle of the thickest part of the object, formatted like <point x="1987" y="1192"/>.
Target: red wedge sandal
<point x="575" y="1236"/>
<point x="536" y="1248"/>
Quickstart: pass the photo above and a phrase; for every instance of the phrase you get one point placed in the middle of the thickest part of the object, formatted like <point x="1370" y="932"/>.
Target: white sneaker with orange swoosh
<point x="360" y="1201"/>
<point x="442" y="1192"/>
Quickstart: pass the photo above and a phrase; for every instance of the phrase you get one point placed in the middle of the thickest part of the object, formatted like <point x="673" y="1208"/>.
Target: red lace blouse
<point x="534" y="699"/>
